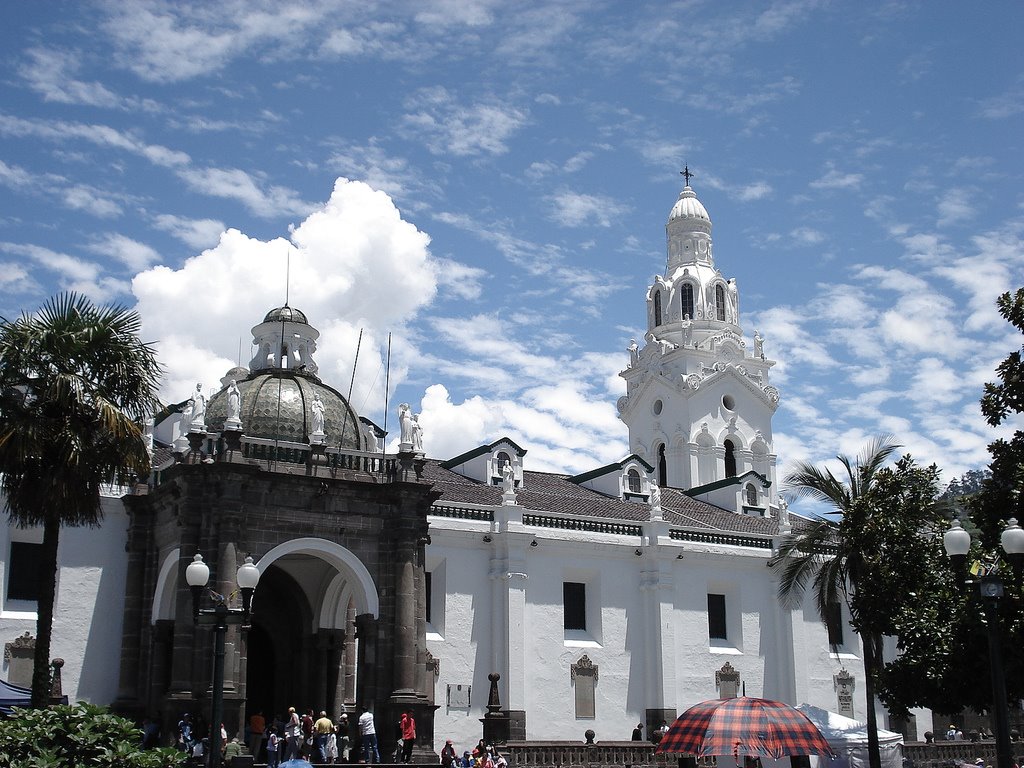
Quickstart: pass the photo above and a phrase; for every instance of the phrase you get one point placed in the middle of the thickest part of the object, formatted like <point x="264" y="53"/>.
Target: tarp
<point x="13" y="696"/>
<point x="849" y="739"/>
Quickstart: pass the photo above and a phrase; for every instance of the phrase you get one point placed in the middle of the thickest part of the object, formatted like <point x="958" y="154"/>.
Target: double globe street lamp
<point x="957" y="543"/>
<point x="197" y="575"/>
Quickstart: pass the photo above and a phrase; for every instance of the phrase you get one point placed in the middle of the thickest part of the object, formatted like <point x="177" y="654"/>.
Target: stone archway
<point x="302" y="649"/>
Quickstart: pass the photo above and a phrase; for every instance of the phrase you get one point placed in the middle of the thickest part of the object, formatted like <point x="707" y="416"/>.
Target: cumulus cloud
<point x="354" y="264"/>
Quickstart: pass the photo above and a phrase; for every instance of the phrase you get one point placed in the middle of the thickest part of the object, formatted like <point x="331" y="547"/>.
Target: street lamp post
<point x="197" y="575"/>
<point x="957" y="543"/>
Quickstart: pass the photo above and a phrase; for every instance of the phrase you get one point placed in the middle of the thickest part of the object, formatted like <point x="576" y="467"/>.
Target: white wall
<point x="89" y="608"/>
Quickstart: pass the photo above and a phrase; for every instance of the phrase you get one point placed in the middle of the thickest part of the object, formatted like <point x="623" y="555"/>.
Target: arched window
<point x="633" y="481"/>
<point x="662" y="467"/>
<point x="503" y="459"/>
<point x="720" y="302"/>
<point x="657" y="308"/>
<point x="686" y="299"/>
<point x="751" y="495"/>
<point x="730" y="459"/>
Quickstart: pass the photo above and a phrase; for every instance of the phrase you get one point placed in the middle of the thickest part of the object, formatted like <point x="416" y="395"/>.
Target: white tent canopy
<point x="849" y="740"/>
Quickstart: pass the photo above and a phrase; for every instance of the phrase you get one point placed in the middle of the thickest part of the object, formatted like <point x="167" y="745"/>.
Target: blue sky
<point x="489" y="182"/>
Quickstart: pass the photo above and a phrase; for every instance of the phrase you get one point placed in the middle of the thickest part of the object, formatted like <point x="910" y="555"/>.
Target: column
<point x="128" y="693"/>
<point x="516" y="653"/>
<point x="350" y="655"/>
<point x="405" y="618"/>
<point x="657" y="585"/>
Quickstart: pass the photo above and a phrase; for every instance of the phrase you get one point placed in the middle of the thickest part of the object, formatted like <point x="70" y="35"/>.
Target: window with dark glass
<point x="751" y="495"/>
<point x="730" y="459"/>
<point x="428" y="598"/>
<point x="574" y="602"/>
<point x="633" y="481"/>
<point x="716" y="617"/>
<point x="720" y="302"/>
<point x="834" y="624"/>
<point x="24" y="571"/>
<point x="662" y="467"/>
<point x="657" y="307"/>
<point x="686" y="298"/>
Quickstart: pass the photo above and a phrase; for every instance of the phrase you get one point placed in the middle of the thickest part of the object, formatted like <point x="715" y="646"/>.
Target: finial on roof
<point x="685" y="173"/>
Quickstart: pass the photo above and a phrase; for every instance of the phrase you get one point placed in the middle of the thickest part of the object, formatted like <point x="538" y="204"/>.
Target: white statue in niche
<point x="783" y="513"/>
<point x="234" y="404"/>
<point x="406" y="425"/>
<point x="655" y="496"/>
<point x="370" y="434"/>
<point x="758" y="345"/>
<point x="198" y="418"/>
<point x="687" y="329"/>
<point x="634" y="353"/>
<point x="734" y="299"/>
<point x="317" y="409"/>
<point x="417" y="434"/>
<point x="508" y="477"/>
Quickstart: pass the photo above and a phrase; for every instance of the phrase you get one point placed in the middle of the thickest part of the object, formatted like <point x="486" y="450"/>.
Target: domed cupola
<point x="691" y="211"/>
<point x="688" y="230"/>
<point x="277" y="396"/>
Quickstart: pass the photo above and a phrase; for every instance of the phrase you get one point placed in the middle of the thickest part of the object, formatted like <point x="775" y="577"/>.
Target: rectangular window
<point x="428" y="600"/>
<point x="24" y="574"/>
<point x="574" y="600"/>
<point x="716" y="617"/>
<point x="834" y="624"/>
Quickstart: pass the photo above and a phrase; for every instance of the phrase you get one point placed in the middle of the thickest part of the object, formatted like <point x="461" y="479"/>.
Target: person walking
<point x="408" y="725"/>
<point x="448" y="755"/>
<point x="292" y="735"/>
<point x="368" y="736"/>
<point x="322" y="729"/>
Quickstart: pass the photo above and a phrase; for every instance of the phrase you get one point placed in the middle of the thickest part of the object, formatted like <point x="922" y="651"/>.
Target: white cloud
<point x="756" y="191"/>
<point x="459" y="279"/>
<point x="267" y="200"/>
<point x="445" y="126"/>
<point x="354" y="264"/>
<point x="195" y="233"/>
<point x="51" y="73"/>
<point x="133" y="254"/>
<point x="92" y="201"/>
<point x="807" y="236"/>
<point x="835" y="179"/>
<point x="576" y="209"/>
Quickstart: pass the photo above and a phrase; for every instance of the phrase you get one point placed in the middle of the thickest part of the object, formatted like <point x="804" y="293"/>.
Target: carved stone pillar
<point x="129" y="696"/>
<point x="350" y="659"/>
<point x="405" y="618"/>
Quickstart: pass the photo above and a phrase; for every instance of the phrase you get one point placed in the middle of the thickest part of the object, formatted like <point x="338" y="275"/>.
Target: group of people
<point x="483" y="756"/>
<point x="305" y="737"/>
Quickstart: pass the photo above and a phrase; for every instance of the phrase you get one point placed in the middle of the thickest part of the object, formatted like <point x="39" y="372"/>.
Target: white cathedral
<point x="620" y="595"/>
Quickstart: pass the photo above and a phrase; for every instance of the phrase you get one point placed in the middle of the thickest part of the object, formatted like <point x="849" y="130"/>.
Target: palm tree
<point x="75" y="384"/>
<point x="828" y="555"/>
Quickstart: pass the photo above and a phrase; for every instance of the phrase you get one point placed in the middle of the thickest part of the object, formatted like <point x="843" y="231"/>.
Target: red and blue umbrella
<point x="744" y="726"/>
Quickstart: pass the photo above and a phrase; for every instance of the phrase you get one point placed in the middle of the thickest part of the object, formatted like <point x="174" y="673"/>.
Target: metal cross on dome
<point x="685" y="173"/>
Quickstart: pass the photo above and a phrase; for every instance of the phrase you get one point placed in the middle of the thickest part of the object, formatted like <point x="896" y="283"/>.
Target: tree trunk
<point x="872" y="656"/>
<point x="44" y="622"/>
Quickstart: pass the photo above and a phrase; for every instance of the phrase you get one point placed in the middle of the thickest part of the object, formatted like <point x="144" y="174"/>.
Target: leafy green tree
<point x="1002" y="496"/>
<point x="943" y="662"/>
<point x="77" y="736"/>
<point x="868" y="555"/>
<point x="75" y="384"/>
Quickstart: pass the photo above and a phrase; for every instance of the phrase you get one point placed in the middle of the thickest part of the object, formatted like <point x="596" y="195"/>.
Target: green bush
<point x="77" y="736"/>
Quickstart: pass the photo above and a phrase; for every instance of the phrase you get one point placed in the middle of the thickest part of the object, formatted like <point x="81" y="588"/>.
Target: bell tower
<point x="698" y="400"/>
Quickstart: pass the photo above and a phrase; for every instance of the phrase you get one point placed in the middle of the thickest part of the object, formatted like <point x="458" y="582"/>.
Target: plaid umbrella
<point x="744" y="726"/>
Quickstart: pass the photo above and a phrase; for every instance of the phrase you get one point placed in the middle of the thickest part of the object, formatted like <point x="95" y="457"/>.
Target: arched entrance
<point x="301" y="649"/>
